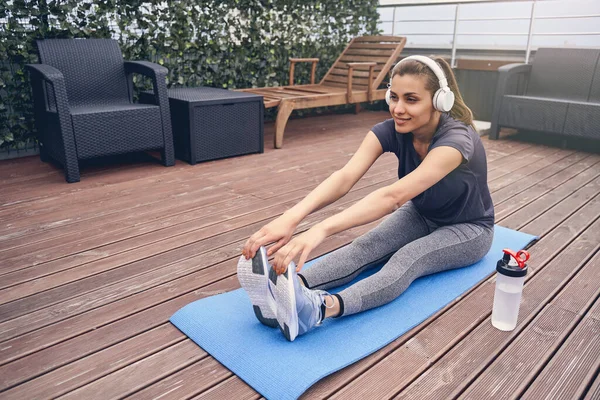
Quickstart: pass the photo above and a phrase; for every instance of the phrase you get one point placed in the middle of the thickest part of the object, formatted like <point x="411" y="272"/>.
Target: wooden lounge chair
<point x="355" y="77"/>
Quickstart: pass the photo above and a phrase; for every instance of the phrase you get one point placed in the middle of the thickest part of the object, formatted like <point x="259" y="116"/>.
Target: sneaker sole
<point x="283" y="290"/>
<point x="254" y="278"/>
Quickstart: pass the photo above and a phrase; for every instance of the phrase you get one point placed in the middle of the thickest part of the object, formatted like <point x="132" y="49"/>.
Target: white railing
<point x="562" y="10"/>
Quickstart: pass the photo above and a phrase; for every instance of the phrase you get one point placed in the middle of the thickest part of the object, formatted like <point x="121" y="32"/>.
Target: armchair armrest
<point x="360" y="65"/>
<point x="41" y="73"/>
<point x="506" y="85"/>
<point x="145" y="68"/>
<point x="62" y="148"/>
<point x="45" y="72"/>
<point x="156" y="72"/>
<point x="314" y="62"/>
<point x="515" y="68"/>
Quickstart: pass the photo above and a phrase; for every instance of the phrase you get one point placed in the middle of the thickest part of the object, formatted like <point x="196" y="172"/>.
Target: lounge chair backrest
<point x="565" y="71"/>
<point x="384" y="50"/>
<point x="93" y="69"/>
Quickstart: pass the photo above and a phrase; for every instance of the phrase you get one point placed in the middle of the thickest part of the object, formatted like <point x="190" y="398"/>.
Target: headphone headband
<point x="443" y="98"/>
<point x="439" y="73"/>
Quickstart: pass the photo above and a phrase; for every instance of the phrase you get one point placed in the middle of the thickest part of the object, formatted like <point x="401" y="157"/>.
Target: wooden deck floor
<point x="91" y="272"/>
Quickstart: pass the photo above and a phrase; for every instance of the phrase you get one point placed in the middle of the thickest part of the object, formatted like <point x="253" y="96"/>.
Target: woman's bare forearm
<point x="328" y="191"/>
<point x="372" y="207"/>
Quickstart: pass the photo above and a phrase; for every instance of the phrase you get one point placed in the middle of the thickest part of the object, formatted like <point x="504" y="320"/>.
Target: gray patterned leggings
<point x="413" y="247"/>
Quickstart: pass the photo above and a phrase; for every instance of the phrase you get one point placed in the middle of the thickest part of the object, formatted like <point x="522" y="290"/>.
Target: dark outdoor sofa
<point x="84" y="108"/>
<point x="558" y="93"/>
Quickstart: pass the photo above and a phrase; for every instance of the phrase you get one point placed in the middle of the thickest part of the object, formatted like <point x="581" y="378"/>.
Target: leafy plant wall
<point x="218" y="43"/>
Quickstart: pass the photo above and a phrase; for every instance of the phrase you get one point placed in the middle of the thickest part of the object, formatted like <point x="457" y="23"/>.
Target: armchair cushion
<point x="97" y="129"/>
<point x="583" y="120"/>
<point x="535" y="113"/>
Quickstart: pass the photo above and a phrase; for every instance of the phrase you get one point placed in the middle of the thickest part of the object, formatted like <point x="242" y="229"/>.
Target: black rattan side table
<point x="210" y="123"/>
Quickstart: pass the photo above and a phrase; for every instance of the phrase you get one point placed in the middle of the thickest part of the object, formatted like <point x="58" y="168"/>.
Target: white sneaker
<point x="254" y="278"/>
<point x="298" y="308"/>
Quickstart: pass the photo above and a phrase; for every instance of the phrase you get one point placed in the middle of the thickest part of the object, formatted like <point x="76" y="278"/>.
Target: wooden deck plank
<point x="569" y="373"/>
<point x="552" y="199"/>
<point x="566" y="181"/>
<point x="119" y="383"/>
<point x="516" y="367"/>
<point x="581" y="196"/>
<point x="594" y="390"/>
<point x="229" y="389"/>
<point x="87" y="369"/>
<point x="536" y="157"/>
<point x="128" y="206"/>
<point x="104" y="312"/>
<point x="197" y="378"/>
<point x="519" y="180"/>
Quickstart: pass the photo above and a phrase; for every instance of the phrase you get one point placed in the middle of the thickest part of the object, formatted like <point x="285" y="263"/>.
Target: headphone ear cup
<point x="388" y="94"/>
<point x="443" y="100"/>
<point x="448" y="100"/>
<point x="436" y="100"/>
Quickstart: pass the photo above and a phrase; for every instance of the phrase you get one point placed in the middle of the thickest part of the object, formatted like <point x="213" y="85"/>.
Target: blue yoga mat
<point x="225" y="326"/>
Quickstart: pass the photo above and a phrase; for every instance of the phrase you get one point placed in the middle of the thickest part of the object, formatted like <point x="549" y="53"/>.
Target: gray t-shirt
<point x="462" y="195"/>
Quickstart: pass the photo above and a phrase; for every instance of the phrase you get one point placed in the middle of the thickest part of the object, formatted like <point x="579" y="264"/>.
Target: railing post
<point x="393" y="20"/>
<point x="530" y="34"/>
<point x="456" y="16"/>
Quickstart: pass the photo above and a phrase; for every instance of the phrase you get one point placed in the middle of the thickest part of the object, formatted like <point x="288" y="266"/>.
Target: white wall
<point x="510" y="33"/>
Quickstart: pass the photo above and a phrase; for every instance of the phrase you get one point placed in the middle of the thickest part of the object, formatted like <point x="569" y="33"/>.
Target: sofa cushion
<point x="583" y="119"/>
<point x="535" y="113"/>
<point x="564" y="73"/>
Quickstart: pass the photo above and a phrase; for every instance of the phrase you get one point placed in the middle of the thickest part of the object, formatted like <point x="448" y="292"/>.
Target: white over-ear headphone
<point x="443" y="98"/>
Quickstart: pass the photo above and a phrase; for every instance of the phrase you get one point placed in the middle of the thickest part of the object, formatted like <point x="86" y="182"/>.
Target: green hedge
<point x="219" y="43"/>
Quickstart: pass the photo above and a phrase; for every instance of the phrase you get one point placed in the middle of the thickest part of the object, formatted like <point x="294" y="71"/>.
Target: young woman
<point x="441" y="212"/>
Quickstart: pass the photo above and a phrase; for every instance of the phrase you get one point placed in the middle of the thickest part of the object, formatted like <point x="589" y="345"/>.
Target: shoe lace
<point x="317" y="298"/>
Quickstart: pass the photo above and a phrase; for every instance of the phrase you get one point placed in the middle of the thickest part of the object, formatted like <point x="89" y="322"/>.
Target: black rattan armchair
<point x="83" y="104"/>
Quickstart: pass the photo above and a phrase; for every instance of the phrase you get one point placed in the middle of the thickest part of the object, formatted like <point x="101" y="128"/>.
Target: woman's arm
<point x="437" y="164"/>
<point x="331" y="189"/>
<point x="341" y="181"/>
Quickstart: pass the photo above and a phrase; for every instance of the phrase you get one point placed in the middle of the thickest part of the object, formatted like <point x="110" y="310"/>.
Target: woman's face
<point x="411" y="104"/>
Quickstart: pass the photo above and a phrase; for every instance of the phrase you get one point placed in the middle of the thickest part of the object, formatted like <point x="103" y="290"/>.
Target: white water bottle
<point x="509" y="288"/>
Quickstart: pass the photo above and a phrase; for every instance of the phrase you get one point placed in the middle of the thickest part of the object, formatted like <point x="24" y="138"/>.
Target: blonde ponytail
<point x="460" y="111"/>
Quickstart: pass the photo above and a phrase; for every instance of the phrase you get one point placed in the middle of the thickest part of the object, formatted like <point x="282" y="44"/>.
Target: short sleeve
<point x="460" y="138"/>
<point x="385" y="132"/>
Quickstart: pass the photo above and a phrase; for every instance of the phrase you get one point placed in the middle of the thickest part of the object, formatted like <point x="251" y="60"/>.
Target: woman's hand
<point x="280" y="230"/>
<point x="302" y="244"/>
